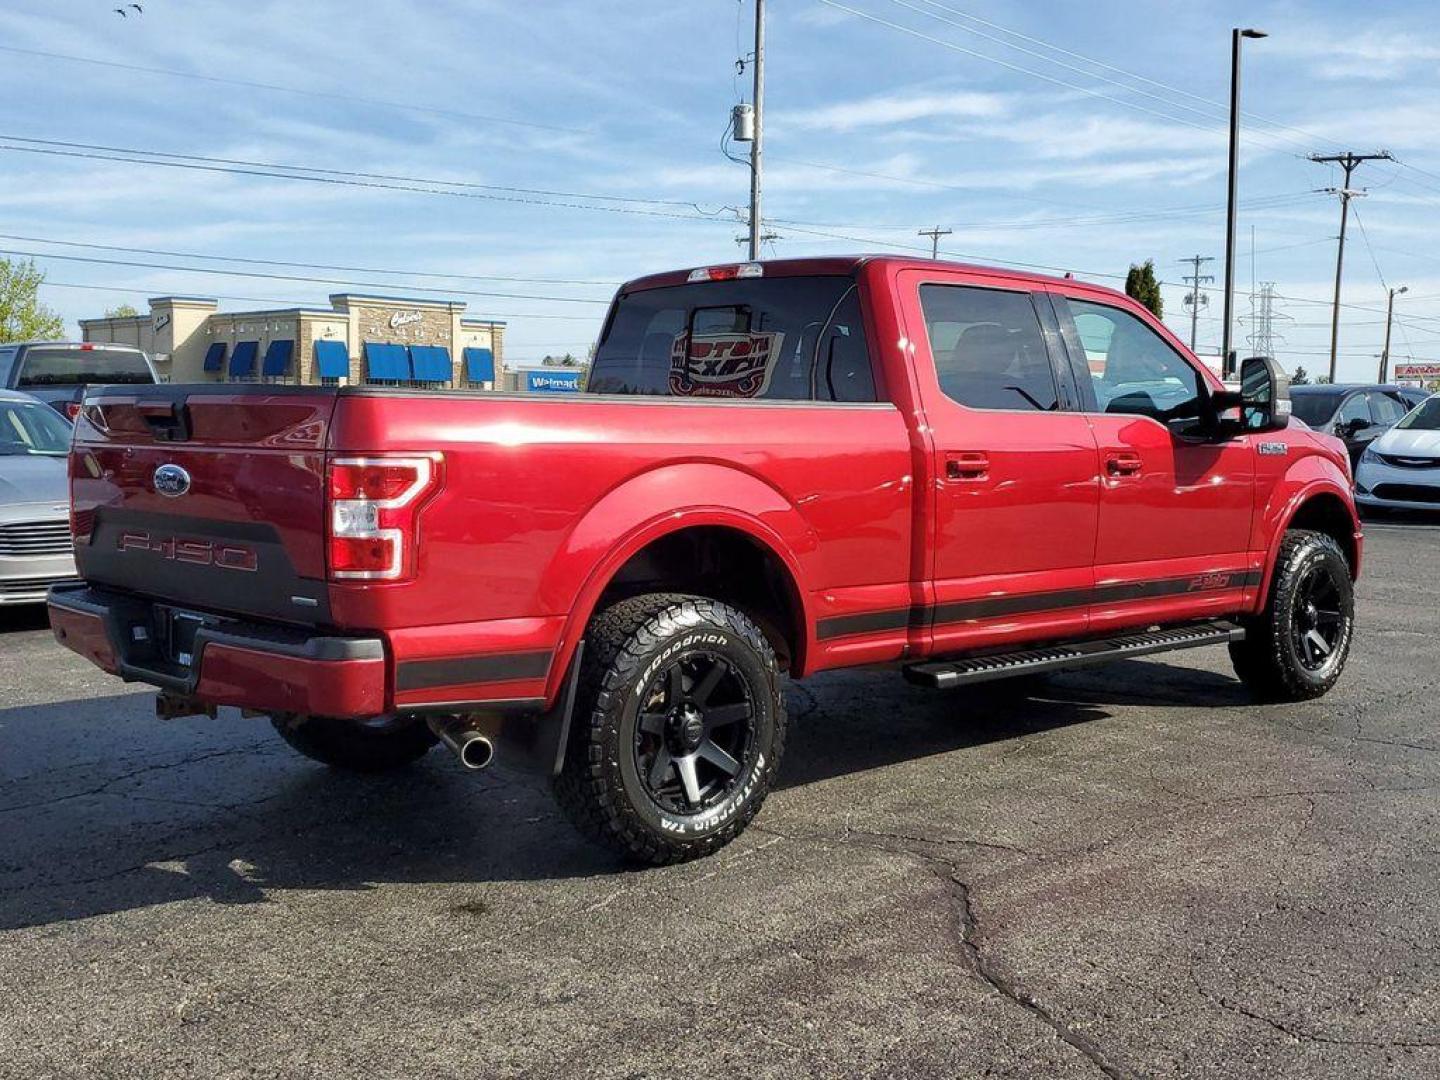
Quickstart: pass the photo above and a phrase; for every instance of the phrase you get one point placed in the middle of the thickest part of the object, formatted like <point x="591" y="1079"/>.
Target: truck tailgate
<point x="210" y="496"/>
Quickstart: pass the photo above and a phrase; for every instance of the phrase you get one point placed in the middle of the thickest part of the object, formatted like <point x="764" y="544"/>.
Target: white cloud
<point x="886" y="109"/>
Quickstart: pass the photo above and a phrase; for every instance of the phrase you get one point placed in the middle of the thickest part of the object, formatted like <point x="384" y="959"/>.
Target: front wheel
<point x="1296" y="650"/>
<point x="679" y="728"/>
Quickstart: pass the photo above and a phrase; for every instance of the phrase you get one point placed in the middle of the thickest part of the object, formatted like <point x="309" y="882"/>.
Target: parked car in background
<point x="35" y="547"/>
<point x="1355" y="414"/>
<point x="58" y="372"/>
<point x="1401" y="469"/>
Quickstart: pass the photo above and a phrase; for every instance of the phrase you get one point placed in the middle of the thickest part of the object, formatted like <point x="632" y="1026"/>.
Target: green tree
<point x="22" y="316"/>
<point x="1322" y="380"/>
<point x="121" y="311"/>
<point x="1140" y="283"/>
<point x="1300" y="378"/>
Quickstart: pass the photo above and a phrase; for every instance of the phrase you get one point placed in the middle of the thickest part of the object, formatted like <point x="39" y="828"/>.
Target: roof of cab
<point x="848" y="264"/>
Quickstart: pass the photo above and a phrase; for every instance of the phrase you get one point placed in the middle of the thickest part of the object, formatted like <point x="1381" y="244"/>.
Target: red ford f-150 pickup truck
<point x="776" y="468"/>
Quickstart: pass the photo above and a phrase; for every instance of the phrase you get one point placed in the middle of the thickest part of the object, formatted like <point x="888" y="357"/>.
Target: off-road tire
<point x="628" y="646"/>
<point x="1269" y="661"/>
<point x="354" y="746"/>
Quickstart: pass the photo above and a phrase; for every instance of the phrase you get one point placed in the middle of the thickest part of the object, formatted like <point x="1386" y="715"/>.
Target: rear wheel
<point x="1297" y="649"/>
<point x="368" y="746"/>
<point x="679" y="728"/>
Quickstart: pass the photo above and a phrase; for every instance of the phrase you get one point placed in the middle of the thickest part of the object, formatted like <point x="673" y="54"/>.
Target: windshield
<point x="1315" y="408"/>
<point x="72" y="367"/>
<point x="1425" y="418"/>
<point x="32" y="429"/>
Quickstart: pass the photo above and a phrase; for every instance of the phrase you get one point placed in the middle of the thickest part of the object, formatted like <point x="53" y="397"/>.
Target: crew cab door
<point x="1013" y="496"/>
<point x="1175" y="503"/>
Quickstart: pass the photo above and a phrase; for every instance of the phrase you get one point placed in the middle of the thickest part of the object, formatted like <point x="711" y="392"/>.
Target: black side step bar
<point x="943" y="674"/>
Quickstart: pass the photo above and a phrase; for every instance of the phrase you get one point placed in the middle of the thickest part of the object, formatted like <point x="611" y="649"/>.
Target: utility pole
<point x="1389" y="320"/>
<point x="935" y="235"/>
<point x="1196" y="280"/>
<point x="756" y="225"/>
<point x="1349" y="162"/>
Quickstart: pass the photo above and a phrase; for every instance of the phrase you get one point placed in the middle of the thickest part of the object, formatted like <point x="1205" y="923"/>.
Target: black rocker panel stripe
<point x="465" y="670"/>
<point x="990" y="607"/>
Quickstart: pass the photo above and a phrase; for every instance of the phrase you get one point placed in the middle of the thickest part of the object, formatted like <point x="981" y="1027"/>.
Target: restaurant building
<point x="386" y="340"/>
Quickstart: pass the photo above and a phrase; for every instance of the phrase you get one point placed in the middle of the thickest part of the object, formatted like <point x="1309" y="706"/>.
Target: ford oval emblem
<point x="172" y="481"/>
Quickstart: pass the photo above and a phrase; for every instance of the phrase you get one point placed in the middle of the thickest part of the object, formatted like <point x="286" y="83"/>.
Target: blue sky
<point x="872" y="133"/>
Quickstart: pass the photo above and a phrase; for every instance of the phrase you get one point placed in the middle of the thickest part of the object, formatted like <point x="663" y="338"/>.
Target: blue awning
<point x="332" y="358"/>
<point x="480" y="365"/>
<point x="242" y="360"/>
<point x="215" y="356"/>
<point x="386" y="362"/>
<point x="431" y="363"/>
<point x="277" y="357"/>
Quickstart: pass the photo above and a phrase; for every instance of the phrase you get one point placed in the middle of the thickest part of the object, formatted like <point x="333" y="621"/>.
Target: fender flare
<point x="1308" y="479"/>
<point x="657" y="503"/>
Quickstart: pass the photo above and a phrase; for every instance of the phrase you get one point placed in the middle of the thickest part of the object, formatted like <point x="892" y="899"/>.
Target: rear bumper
<point x="254" y="666"/>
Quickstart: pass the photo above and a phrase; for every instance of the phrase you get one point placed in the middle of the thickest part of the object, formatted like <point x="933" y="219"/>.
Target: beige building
<point x="358" y="339"/>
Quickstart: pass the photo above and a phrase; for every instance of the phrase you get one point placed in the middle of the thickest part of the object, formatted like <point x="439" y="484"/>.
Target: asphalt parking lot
<point x="1126" y="872"/>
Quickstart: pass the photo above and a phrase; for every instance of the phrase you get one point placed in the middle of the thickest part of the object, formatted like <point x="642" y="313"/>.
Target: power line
<point x="1015" y="67"/>
<point x="132" y="291"/>
<point x="272" y="173"/>
<point x="298" y="277"/>
<point x="300" y="265"/>
<point x="1310" y="137"/>
<point x="408" y="106"/>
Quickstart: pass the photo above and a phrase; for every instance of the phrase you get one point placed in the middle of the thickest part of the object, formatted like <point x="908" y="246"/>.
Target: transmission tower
<point x="1263" y="338"/>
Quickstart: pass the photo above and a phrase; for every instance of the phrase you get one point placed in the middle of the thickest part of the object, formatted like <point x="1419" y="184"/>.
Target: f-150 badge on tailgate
<point x="172" y="481"/>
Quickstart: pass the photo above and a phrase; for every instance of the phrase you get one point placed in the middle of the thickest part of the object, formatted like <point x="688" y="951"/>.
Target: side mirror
<point x="1350" y="428"/>
<point x="1264" y="395"/>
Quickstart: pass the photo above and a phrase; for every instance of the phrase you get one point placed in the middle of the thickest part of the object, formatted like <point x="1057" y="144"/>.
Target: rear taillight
<point x="72" y="410"/>
<point x="374" y="508"/>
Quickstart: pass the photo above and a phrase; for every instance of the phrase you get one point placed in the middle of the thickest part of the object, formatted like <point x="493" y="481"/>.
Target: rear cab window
<point x="55" y="366"/>
<point x="780" y="338"/>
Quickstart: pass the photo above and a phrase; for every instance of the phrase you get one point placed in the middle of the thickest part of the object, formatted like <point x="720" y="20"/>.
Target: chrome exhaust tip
<point x="471" y="748"/>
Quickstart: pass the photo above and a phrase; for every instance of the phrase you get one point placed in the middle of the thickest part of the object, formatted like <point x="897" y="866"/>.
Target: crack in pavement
<point x="1296" y="1033"/>
<point x="981" y="966"/>
<point x="104" y="788"/>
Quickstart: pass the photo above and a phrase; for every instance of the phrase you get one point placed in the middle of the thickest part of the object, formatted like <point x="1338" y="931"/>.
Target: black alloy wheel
<point x="678" y="728"/>
<point x="694" y="734"/>
<point x="1318" y="624"/>
<point x="1296" y="648"/>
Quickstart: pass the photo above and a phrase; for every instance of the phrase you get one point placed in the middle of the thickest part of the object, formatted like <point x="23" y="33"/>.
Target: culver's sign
<point x="405" y="318"/>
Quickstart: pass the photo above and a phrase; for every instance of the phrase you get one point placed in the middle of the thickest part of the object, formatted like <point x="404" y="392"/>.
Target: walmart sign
<point x="552" y="380"/>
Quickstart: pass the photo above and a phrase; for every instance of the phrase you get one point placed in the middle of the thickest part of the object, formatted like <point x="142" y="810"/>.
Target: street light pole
<point x="1389" y="320"/>
<point x="1226" y="361"/>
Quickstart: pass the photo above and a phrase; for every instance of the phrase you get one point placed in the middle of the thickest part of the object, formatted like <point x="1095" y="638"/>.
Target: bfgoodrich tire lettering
<point x="1297" y="649"/>
<point x="679" y="728"/>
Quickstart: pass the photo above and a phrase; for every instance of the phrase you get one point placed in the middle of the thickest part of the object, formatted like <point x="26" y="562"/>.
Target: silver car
<point x="35" y="547"/>
<point x="1401" y="469"/>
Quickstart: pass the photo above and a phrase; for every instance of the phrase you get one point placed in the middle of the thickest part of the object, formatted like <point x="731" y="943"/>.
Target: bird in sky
<point x="120" y="12"/>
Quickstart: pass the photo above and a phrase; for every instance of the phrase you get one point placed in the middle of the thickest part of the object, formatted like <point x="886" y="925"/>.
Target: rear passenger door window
<point x="988" y="348"/>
